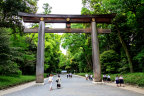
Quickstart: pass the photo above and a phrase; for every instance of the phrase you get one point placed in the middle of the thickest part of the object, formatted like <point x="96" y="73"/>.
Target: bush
<point x="131" y="78"/>
<point x="109" y="61"/>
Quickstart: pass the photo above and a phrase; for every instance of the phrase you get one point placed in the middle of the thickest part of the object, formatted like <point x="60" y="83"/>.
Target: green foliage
<point x="9" y="12"/>
<point x="8" y="81"/>
<point x="127" y="29"/>
<point x="24" y="53"/>
<point x="140" y="59"/>
<point x="47" y="8"/>
<point x="129" y="78"/>
<point x="79" y="51"/>
<point x="109" y="61"/>
<point x="7" y="66"/>
<point x="52" y="52"/>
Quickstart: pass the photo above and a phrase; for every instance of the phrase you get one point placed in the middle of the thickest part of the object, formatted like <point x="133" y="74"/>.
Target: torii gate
<point x="68" y="19"/>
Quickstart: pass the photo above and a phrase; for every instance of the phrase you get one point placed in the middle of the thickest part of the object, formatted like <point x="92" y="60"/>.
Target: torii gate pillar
<point x="95" y="53"/>
<point x="40" y="53"/>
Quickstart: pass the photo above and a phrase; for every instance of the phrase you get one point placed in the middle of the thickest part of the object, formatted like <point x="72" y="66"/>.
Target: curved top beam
<point x="56" y="18"/>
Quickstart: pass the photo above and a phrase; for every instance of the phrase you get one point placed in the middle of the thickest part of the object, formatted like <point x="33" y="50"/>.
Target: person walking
<point x="71" y="75"/>
<point x="67" y="75"/>
<point x="117" y="80"/>
<point x="108" y="78"/>
<point x="58" y="82"/>
<point x="50" y="80"/>
<point x="91" y="77"/>
<point x="121" y="81"/>
<point x="86" y="76"/>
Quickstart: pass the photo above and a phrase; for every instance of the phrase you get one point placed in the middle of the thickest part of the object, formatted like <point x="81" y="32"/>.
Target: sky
<point x="72" y="7"/>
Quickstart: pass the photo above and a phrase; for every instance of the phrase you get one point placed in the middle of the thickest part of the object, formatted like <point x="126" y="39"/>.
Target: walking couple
<point x="58" y="80"/>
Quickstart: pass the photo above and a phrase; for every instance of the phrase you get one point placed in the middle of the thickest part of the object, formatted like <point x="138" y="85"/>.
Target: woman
<point x="117" y="80"/>
<point x="50" y="80"/>
<point x="121" y="81"/>
<point x="58" y="81"/>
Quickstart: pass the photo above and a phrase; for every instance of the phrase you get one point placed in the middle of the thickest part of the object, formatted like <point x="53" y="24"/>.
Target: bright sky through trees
<point x="61" y="7"/>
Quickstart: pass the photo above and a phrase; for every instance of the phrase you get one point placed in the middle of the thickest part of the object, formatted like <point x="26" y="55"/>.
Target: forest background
<point x="121" y="51"/>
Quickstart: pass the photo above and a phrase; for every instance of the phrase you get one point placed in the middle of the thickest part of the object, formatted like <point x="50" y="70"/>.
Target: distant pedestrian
<point x="121" y="81"/>
<point x="71" y="75"/>
<point x="58" y="82"/>
<point x="50" y="80"/>
<point x="67" y="75"/>
<point x="91" y="77"/>
<point x="86" y="76"/>
<point x="104" y="78"/>
<point x="108" y="78"/>
<point x="117" y="80"/>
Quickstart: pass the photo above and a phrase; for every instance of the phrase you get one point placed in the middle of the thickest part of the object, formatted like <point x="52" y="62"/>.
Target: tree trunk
<point x="126" y="51"/>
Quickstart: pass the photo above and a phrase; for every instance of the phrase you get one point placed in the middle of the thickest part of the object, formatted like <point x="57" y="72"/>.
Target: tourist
<point x="86" y="76"/>
<point x="91" y="77"/>
<point x="58" y="82"/>
<point x="71" y="75"/>
<point x="67" y="75"/>
<point x="108" y="78"/>
<point x="104" y="78"/>
<point x="121" y="81"/>
<point x="50" y="80"/>
<point x="117" y="80"/>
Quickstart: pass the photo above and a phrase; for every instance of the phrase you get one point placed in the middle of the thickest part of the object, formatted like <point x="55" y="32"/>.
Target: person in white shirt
<point x="108" y="78"/>
<point x="50" y="80"/>
<point x="117" y="80"/>
<point x="86" y="75"/>
<point x="91" y="77"/>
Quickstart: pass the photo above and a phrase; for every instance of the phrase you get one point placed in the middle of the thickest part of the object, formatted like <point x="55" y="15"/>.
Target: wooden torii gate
<point x="68" y="19"/>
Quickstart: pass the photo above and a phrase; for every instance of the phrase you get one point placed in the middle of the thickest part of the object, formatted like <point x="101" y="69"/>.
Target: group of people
<point x="119" y="80"/>
<point x="106" y="78"/>
<point x="69" y="75"/>
<point x="50" y="81"/>
<point x="89" y="77"/>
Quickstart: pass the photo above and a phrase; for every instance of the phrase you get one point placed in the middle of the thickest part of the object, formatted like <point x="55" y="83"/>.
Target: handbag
<point x="56" y="80"/>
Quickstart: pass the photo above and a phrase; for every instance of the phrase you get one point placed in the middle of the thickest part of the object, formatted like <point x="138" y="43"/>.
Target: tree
<point x="7" y="66"/>
<point x="47" y="8"/>
<point x="9" y="12"/>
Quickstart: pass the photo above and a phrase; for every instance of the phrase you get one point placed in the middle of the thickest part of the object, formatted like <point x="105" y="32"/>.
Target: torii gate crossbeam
<point x="68" y="19"/>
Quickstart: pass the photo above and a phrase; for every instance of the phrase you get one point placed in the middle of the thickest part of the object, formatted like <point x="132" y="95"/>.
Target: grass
<point x="129" y="78"/>
<point x="8" y="81"/>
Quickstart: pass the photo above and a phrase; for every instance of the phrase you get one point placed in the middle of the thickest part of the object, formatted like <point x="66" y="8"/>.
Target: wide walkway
<point x="75" y="86"/>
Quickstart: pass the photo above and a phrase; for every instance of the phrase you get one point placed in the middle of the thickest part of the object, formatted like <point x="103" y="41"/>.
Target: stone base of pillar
<point x="98" y="83"/>
<point x="98" y="79"/>
<point x="40" y="78"/>
<point x="39" y="84"/>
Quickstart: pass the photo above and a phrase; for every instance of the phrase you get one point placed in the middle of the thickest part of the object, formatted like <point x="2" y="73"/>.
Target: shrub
<point x="109" y="61"/>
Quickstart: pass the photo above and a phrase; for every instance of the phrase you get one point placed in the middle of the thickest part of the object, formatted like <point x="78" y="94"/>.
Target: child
<point x="121" y="81"/>
<point x="117" y="80"/>
<point x="58" y="82"/>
